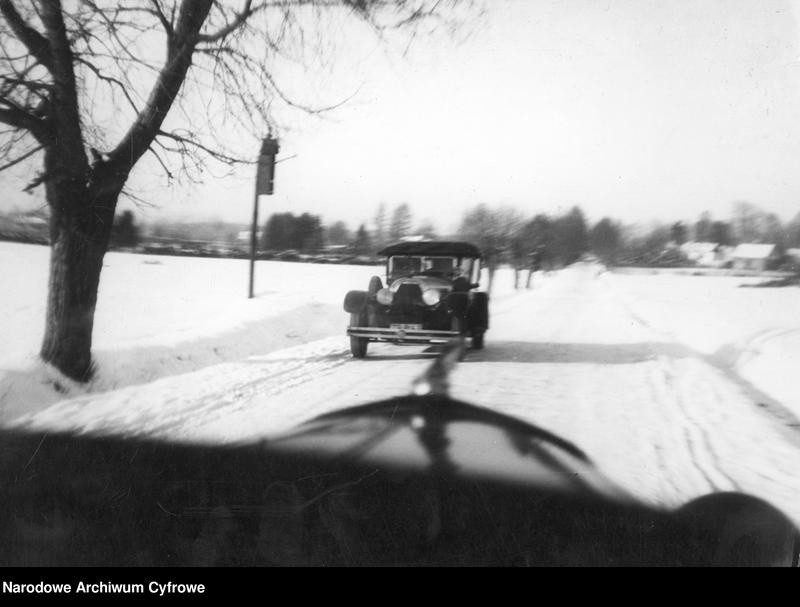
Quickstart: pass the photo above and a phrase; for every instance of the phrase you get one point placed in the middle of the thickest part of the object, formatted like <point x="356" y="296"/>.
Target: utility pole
<point x="265" y="178"/>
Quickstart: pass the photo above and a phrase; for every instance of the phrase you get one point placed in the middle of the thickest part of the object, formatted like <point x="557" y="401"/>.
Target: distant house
<point x="710" y="254"/>
<point x="758" y="257"/>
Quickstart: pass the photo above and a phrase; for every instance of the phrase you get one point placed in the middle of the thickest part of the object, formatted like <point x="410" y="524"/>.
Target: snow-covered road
<point x="663" y="419"/>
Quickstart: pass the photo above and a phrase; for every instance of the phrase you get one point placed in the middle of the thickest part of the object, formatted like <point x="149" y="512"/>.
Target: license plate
<point x="406" y="327"/>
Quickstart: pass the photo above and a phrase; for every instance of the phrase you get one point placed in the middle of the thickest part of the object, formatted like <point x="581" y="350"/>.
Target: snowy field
<point x="159" y="316"/>
<point x="674" y="385"/>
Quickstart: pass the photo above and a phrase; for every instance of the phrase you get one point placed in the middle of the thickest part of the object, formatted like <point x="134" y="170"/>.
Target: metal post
<point x="253" y="238"/>
<point x="265" y="176"/>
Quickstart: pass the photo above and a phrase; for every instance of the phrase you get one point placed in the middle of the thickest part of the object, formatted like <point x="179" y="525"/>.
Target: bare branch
<point x="220" y="74"/>
<point x="19" y="159"/>
<point x="165" y="23"/>
<point x="191" y="17"/>
<point x="231" y="27"/>
<point x="35" y="42"/>
<point x="16" y="117"/>
<point x="111" y="80"/>
<point x="161" y="162"/>
<point x="188" y="140"/>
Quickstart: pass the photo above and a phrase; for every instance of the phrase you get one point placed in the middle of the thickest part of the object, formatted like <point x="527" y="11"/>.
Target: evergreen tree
<point x="401" y="222"/>
<point x="362" y="244"/>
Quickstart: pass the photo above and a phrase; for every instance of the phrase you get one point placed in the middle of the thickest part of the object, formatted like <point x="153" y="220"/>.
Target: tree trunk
<point x="79" y="235"/>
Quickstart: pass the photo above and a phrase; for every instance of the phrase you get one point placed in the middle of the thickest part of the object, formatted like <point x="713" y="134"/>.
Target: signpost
<point x="265" y="179"/>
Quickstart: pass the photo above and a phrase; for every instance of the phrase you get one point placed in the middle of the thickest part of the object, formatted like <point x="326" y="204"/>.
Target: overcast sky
<point x="637" y="109"/>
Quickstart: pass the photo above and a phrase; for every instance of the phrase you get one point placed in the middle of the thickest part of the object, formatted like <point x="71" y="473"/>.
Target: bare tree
<point x="492" y="230"/>
<point x="91" y="86"/>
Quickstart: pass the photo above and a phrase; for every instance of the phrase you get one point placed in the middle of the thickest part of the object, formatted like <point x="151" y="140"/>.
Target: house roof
<point x="432" y="247"/>
<point x="754" y="251"/>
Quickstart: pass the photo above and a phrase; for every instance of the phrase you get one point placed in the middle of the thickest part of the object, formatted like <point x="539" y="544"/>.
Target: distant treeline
<point x="503" y="233"/>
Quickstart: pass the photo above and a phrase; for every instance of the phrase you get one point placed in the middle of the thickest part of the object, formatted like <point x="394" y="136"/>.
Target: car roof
<point x="432" y="247"/>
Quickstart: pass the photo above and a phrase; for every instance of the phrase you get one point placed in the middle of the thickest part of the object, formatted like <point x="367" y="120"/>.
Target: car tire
<point x="358" y="345"/>
<point x="458" y="324"/>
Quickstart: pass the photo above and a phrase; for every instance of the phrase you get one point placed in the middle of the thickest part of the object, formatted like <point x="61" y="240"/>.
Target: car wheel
<point x="477" y="340"/>
<point x="358" y="345"/>
<point x="458" y="324"/>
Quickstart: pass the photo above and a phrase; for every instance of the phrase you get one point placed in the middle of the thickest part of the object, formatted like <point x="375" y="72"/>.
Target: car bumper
<point x="402" y="335"/>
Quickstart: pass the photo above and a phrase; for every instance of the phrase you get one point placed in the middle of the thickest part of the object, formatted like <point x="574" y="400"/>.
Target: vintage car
<point x="430" y="296"/>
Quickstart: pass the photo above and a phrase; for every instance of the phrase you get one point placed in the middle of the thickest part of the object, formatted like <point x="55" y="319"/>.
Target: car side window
<point x="465" y="267"/>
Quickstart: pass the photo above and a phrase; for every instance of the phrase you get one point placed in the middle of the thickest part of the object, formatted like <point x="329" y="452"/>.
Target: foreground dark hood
<point x="418" y="480"/>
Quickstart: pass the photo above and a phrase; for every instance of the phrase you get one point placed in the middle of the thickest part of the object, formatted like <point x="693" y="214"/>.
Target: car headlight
<point x="431" y="296"/>
<point x="384" y="296"/>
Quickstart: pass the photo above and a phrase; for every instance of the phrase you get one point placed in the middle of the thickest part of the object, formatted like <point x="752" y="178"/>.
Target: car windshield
<point x="404" y="266"/>
<point x="447" y="266"/>
<point x="440" y="264"/>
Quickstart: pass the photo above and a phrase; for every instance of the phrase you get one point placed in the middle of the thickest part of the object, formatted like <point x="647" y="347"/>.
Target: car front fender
<point x="479" y="311"/>
<point x="355" y="301"/>
<point x="457" y="303"/>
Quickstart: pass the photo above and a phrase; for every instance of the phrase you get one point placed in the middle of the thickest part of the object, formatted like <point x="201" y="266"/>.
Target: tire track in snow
<point x="750" y="440"/>
<point x="174" y="407"/>
<point x="696" y="432"/>
<point x="675" y="375"/>
<point x="215" y="408"/>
